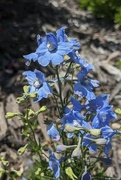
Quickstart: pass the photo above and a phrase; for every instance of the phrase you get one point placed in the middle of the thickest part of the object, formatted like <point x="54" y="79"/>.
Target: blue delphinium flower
<point x="99" y="102"/>
<point x="53" y="132"/>
<point x="84" y="86"/>
<point x="73" y="118"/>
<point x="100" y="110"/>
<point x="54" y="164"/>
<point x="83" y="63"/>
<point x="103" y="117"/>
<point x="108" y="134"/>
<point x="50" y="49"/>
<point x="62" y="37"/>
<point x="37" y="84"/>
<point x="89" y="143"/>
<point x="105" y="140"/>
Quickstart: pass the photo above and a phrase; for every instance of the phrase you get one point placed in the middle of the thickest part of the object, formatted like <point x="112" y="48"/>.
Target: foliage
<point x="110" y="10"/>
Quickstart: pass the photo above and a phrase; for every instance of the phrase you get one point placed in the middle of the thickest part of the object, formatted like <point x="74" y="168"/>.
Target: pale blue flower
<point x="37" y="84"/>
<point x="54" y="164"/>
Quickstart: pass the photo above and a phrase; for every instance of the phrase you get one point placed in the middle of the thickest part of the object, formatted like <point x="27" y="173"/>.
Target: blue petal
<point x="64" y="48"/>
<point x="54" y="164"/>
<point x="56" y="59"/>
<point x="42" y="49"/>
<point x="53" y="132"/>
<point x="45" y="59"/>
<point x="60" y="34"/>
<point x="31" y="56"/>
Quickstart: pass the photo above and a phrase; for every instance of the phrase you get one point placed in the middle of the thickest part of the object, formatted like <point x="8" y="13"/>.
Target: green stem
<point x="60" y="92"/>
<point x="32" y="131"/>
<point x="68" y="69"/>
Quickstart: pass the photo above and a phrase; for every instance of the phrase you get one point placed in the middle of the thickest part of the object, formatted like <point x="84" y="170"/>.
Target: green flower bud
<point x="11" y="115"/>
<point x="118" y="111"/>
<point x="42" y="109"/>
<point x="26" y="89"/>
<point x="62" y="147"/>
<point x="22" y="149"/>
<point x="31" y="113"/>
<point x="32" y="95"/>
<point x="66" y="57"/>
<point x="70" y="173"/>
<point x="20" y="100"/>
<point x="76" y="152"/>
<point x="100" y="141"/>
<point x="68" y="128"/>
<point x="95" y="132"/>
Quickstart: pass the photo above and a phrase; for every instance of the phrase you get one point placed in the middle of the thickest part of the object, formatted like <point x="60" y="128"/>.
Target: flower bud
<point x="70" y="128"/>
<point x="66" y="57"/>
<point x="20" y="100"/>
<point x="70" y="173"/>
<point x="31" y="113"/>
<point x="32" y="95"/>
<point x="42" y="109"/>
<point x="118" y="111"/>
<point x="100" y="141"/>
<point x="11" y="115"/>
<point x="60" y="148"/>
<point x="76" y="152"/>
<point x="26" y="89"/>
<point x="95" y="132"/>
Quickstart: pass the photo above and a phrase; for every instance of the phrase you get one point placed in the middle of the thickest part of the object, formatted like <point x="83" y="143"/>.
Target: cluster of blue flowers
<point x="88" y="121"/>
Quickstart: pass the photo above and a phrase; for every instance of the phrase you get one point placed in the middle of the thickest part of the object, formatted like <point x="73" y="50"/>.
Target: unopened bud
<point x="31" y="113"/>
<point x="69" y="128"/>
<point x="66" y="57"/>
<point x="76" y="152"/>
<point x="32" y="95"/>
<point x="118" y="111"/>
<point x="11" y="115"/>
<point x="42" y="109"/>
<point x="26" y="89"/>
<point x="60" y="148"/>
<point x="19" y="100"/>
<point x="95" y="132"/>
<point x="100" y="141"/>
<point x="70" y="173"/>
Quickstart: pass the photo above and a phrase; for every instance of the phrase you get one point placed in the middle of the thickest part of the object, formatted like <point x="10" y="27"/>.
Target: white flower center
<point x="51" y="46"/>
<point x="36" y="84"/>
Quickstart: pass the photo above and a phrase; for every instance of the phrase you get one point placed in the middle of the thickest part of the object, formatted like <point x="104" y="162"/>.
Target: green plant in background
<point x="108" y="9"/>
